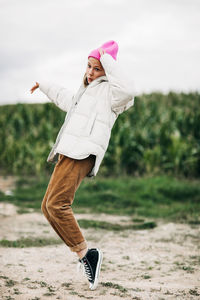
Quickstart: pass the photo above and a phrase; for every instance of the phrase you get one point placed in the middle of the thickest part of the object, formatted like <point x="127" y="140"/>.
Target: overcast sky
<point x="159" y="43"/>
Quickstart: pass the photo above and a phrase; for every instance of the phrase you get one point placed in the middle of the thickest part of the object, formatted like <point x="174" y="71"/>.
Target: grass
<point x="114" y="286"/>
<point x="146" y="276"/>
<point x="194" y="292"/>
<point x="41" y="242"/>
<point x="151" y="197"/>
<point x="29" y="242"/>
<point x="10" y="282"/>
<point x="114" y="227"/>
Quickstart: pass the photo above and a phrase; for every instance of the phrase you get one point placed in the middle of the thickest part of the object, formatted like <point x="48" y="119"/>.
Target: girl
<point x="81" y="144"/>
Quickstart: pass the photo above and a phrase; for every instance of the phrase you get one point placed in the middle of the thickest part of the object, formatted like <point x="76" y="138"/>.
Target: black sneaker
<point x="92" y="263"/>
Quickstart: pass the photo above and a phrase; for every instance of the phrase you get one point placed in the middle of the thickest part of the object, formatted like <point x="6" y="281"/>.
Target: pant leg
<point x="56" y="206"/>
<point x="44" y="209"/>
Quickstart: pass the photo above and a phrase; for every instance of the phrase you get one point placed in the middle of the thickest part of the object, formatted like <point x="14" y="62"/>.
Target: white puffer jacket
<point x="91" y="113"/>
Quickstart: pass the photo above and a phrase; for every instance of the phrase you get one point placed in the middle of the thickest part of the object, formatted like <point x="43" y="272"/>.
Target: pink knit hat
<point x="110" y="47"/>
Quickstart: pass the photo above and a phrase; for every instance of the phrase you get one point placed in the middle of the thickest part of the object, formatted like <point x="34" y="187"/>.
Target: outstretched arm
<point x="60" y="96"/>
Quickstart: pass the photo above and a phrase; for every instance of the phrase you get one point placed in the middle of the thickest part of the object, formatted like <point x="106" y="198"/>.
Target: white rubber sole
<point x="96" y="280"/>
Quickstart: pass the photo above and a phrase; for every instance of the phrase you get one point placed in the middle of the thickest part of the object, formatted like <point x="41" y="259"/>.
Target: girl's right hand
<point x="34" y="87"/>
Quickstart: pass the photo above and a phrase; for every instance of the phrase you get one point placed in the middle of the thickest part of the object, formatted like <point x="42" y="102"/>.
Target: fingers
<point x="34" y="87"/>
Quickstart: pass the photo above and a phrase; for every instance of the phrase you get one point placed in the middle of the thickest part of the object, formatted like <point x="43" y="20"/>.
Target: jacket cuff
<point x="44" y="86"/>
<point x="108" y="62"/>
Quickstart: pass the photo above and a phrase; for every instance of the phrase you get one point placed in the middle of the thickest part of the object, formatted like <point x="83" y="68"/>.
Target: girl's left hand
<point x="102" y="51"/>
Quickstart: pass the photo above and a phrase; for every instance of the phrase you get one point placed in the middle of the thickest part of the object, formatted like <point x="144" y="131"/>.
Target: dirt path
<point x="161" y="263"/>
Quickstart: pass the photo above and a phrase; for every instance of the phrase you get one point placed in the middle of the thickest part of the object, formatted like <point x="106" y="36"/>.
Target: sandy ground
<point x="160" y="263"/>
<point x="7" y="184"/>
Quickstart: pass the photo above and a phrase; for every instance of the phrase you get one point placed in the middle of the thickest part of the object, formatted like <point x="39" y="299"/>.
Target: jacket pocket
<point x="91" y="123"/>
<point x="80" y="124"/>
<point x="101" y="133"/>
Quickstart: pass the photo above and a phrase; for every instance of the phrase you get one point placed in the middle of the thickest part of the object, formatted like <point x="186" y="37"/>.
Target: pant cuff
<point x="79" y="247"/>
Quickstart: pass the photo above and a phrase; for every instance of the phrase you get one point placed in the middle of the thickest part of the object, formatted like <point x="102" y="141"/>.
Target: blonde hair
<point x="85" y="82"/>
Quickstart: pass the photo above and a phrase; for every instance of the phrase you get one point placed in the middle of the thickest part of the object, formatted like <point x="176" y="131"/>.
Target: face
<point x="94" y="69"/>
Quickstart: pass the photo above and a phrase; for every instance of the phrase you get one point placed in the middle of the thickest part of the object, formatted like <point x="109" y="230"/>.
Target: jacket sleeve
<point x="60" y="96"/>
<point x="121" y="87"/>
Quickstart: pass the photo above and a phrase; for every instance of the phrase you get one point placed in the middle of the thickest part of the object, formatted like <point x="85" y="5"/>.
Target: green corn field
<point x="160" y="134"/>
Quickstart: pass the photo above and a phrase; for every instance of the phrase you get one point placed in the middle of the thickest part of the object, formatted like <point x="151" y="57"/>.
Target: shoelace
<point x="85" y="269"/>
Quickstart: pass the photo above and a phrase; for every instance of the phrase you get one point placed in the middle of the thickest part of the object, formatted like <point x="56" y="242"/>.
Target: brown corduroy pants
<point x="56" y="205"/>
